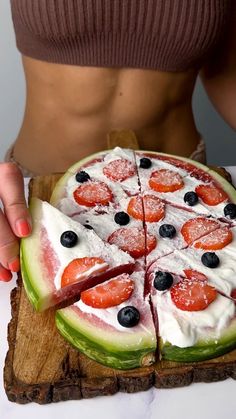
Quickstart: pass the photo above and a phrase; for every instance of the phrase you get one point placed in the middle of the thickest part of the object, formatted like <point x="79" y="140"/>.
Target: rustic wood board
<point x="42" y="367"/>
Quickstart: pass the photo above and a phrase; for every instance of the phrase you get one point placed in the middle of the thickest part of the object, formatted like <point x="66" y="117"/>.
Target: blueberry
<point x="69" y="238"/>
<point x="191" y="198"/>
<point x="128" y="316"/>
<point x="145" y="163"/>
<point x="162" y="280"/>
<point x="230" y="210"/>
<point x="167" y="230"/>
<point x="82" y="176"/>
<point x="210" y="259"/>
<point x="121" y="218"/>
<point x="88" y="226"/>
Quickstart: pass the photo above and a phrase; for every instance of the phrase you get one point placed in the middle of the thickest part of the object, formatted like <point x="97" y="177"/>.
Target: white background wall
<point x="220" y="139"/>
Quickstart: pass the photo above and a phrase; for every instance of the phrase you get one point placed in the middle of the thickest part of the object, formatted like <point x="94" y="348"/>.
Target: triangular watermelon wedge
<point x="44" y="259"/>
<point x="98" y="334"/>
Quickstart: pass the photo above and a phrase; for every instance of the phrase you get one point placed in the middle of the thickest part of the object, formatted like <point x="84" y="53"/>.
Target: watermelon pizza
<point x="140" y="247"/>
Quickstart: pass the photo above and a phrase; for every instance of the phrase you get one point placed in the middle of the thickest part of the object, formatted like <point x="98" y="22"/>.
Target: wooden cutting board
<point x="42" y="367"/>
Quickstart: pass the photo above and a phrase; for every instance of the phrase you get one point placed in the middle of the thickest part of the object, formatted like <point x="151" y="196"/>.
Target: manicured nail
<point x="14" y="266"/>
<point x="5" y="275"/>
<point x="23" y="227"/>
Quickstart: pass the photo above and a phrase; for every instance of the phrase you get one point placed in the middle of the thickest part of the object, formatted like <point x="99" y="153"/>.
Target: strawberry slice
<point x="215" y="240"/>
<point x="197" y="227"/>
<point x="147" y="208"/>
<point x="110" y="293"/>
<point x="192" y="274"/>
<point x="119" y="170"/>
<point x="133" y="241"/>
<point x="165" y="180"/>
<point x="79" y="268"/>
<point x="211" y="194"/>
<point x="93" y="193"/>
<point x="192" y="295"/>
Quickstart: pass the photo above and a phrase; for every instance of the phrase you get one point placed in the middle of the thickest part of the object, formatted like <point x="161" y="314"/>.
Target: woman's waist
<point x="52" y="146"/>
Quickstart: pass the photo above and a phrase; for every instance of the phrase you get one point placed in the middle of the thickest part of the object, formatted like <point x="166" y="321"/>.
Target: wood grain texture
<point x="42" y="367"/>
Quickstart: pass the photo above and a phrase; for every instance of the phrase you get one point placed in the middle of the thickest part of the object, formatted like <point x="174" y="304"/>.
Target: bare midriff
<point x="70" y="110"/>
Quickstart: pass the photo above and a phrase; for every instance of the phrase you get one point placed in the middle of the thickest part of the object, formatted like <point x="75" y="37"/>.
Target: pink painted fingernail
<point x="23" y="227"/>
<point x="14" y="266"/>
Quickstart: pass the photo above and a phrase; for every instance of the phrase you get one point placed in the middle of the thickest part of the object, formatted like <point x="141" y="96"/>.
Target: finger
<point x="5" y="274"/>
<point x="13" y="198"/>
<point x="9" y="243"/>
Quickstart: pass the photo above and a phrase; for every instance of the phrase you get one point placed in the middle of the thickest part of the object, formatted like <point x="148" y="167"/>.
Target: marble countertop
<point x="200" y="400"/>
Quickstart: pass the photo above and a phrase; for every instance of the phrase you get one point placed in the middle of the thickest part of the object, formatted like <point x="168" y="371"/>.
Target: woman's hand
<point x="15" y="220"/>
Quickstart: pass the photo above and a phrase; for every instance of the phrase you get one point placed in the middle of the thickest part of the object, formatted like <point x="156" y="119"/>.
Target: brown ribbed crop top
<point x="170" y="35"/>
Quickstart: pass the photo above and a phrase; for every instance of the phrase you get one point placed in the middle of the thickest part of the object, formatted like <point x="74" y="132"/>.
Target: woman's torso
<point x="71" y="108"/>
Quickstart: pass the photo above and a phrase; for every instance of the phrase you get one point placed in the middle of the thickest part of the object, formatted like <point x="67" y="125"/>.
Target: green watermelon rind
<point x="103" y="346"/>
<point x="58" y="191"/>
<point x="36" y="287"/>
<point x="38" y="301"/>
<point x="204" y="349"/>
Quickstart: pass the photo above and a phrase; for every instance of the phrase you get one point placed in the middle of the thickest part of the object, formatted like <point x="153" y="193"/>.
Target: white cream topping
<point x="223" y="278"/>
<point x="130" y="185"/>
<point x="176" y="217"/>
<point x="89" y="244"/>
<point x="157" y="165"/>
<point x="104" y="224"/>
<point x="186" y="328"/>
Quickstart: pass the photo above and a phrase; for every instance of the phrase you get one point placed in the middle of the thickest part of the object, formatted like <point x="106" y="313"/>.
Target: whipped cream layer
<point x="223" y="278"/>
<point x="187" y="328"/>
<point x="119" y="189"/>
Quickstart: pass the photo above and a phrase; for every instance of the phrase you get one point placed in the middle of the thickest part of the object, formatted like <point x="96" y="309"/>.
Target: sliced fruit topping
<point x="230" y="211"/>
<point x="110" y="293"/>
<point x="197" y="227"/>
<point x="148" y="208"/>
<point x="211" y="194"/>
<point x="132" y="240"/>
<point x="191" y="198"/>
<point x="192" y="295"/>
<point x="192" y="274"/>
<point x="215" y="240"/>
<point x="122" y="218"/>
<point x="80" y="267"/>
<point x="165" y="180"/>
<point x="145" y="163"/>
<point x="69" y="238"/>
<point x="119" y="169"/>
<point x="93" y="193"/>
<point x="128" y="316"/>
<point x="167" y="231"/>
<point x="82" y="176"/>
<point x="163" y="280"/>
<point x="210" y="260"/>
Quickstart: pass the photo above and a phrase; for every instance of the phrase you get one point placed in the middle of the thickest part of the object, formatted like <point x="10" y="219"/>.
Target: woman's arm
<point x="219" y="74"/>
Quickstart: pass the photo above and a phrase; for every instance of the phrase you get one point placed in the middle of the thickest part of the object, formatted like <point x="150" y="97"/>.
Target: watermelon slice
<point x="44" y="259"/>
<point x="97" y="332"/>
<point x="97" y="168"/>
<point x="223" y="277"/>
<point x="188" y="336"/>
